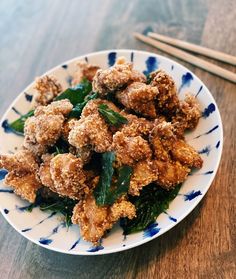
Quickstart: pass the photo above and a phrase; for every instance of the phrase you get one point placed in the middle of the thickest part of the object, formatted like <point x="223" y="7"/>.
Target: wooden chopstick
<point x="214" y="69"/>
<point x="217" y="55"/>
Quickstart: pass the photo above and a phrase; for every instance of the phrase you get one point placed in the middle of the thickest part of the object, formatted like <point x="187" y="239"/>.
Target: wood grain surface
<point x="37" y="35"/>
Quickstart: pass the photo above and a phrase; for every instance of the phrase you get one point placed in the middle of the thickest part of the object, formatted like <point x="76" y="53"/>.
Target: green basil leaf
<point x="18" y="125"/>
<point x="104" y="184"/>
<point x="77" y="110"/>
<point x="153" y="200"/>
<point x="76" y="94"/>
<point x="111" y="117"/>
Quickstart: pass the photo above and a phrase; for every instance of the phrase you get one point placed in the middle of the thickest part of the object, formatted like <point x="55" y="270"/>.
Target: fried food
<point x="187" y="115"/>
<point x="144" y="173"/>
<point x="92" y="129"/>
<point x="47" y="88"/>
<point x="45" y="127"/>
<point x="64" y="175"/>
<point x="116" y="77"/>
<point x="84" y="70"/>
<point x="140" y="98"/>
<point x="95" y="220"/>
<point x="170" y="173"/>
<point x="22" y="167"/>
<point x="129" y="150"/>
<point x="167" y="99"/>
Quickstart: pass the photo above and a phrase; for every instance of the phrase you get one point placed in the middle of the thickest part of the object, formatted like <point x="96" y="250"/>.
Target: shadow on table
<point x="119" y="265"/>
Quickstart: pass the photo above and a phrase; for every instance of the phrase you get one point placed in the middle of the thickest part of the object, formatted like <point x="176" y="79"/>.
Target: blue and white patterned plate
<point x="48" y="230"/>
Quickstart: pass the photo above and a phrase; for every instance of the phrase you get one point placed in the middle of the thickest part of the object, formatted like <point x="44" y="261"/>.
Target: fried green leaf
<point x="76" y="94"/>
<point x="77" y="110"/>
<point x="103" y="188"/>
<point x="107" y="193"/>
<point x="153" y="200"/>
<point x="18" y="125"/>
<point x="112" y="117"/>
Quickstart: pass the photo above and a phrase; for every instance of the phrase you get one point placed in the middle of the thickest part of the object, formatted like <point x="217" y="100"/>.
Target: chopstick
<point x="212" y="68"/>
<point x="217" y="55"/>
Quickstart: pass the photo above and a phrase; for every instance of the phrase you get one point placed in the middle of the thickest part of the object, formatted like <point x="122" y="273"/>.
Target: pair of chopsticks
<point x="162" y="42"/>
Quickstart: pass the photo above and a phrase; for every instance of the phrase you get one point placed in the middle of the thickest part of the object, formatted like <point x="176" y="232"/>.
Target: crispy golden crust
<point x="121" y="74"/>
<point x="22" y="167"/>
<point x="44" y="171"/>
<point x="139" y="97"/>
<point x="136" y="126"/>
<point x="170" y="173"/>
<point x="167" y="99"/>
<point x="130" y="150"/>
<point x="144" y="172"/>
<point x="95" y="220"/>
<point x="68" y="176"/>
<point x="84" y="70"/>
<point x="92" y="129"/>
<point x="47" y="89"/>
<point x="186" y="154"/>
<point x="45" y="127"/>
<point x="187" y="115"/>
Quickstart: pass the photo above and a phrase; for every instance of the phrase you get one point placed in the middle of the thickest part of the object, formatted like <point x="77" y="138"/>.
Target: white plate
<point x="48" y="231"/>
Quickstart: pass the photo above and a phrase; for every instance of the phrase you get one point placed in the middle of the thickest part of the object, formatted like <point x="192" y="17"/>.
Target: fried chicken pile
<point x="151" y="141"/>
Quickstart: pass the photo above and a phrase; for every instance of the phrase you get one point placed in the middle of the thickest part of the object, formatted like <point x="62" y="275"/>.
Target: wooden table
<point x="37" y="35"/>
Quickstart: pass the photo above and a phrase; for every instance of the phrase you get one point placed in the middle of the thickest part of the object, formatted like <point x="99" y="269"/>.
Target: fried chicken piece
<point x="166" y="144"/>
<point x="167" y="99"/>
<point x="85" y="70"/>
<point x="130" y="150"/>
<point x="44" y="171"/>
<point x="136" y="126"/>
<point x="22" y="167"/>
<point x="116" y="77"/>
<point x="187" y="115"/>
<point x="47" y="89"/>
<point x="64" y="175"/>
<point x="139" y="97"/>
<point x="95" y="220"/>
<point x="186" y="154"/>
<point x="68" y="125"/>
<point x="92" y="129"/>
<point x="45" y="127"/>
<point x="68" y="176"/>
<point x="144" y="173"/>
<point x="170" y="173"/>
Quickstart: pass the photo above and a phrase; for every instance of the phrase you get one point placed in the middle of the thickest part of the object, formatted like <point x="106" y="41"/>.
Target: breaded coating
<point x="167" y="99"/>
<point x="84" y="70"/>
<point x="95" y="220"/>
<point x="45" y="127"/>
<point x="186" y="154"/>
<point x="92" y="129"/>
<point x="44" y="171"/>
<point x="170" y="173"/>
<point x="68" y="176"/>
<point x="22" y="167"/>
<point x="187" y="115"/>
<point x="139" y="97"/>
<point x="144" y="173"/>
<point x="136" y="126"/>
<point x="47" y="89"/>
<point x="162" y="137"/>
<point x="130" y="150"/>
<point x="167" y="145"/>
<point x="62" y="107"/>
<point x="116" y="77"/>
<point x="67" y="126"/>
